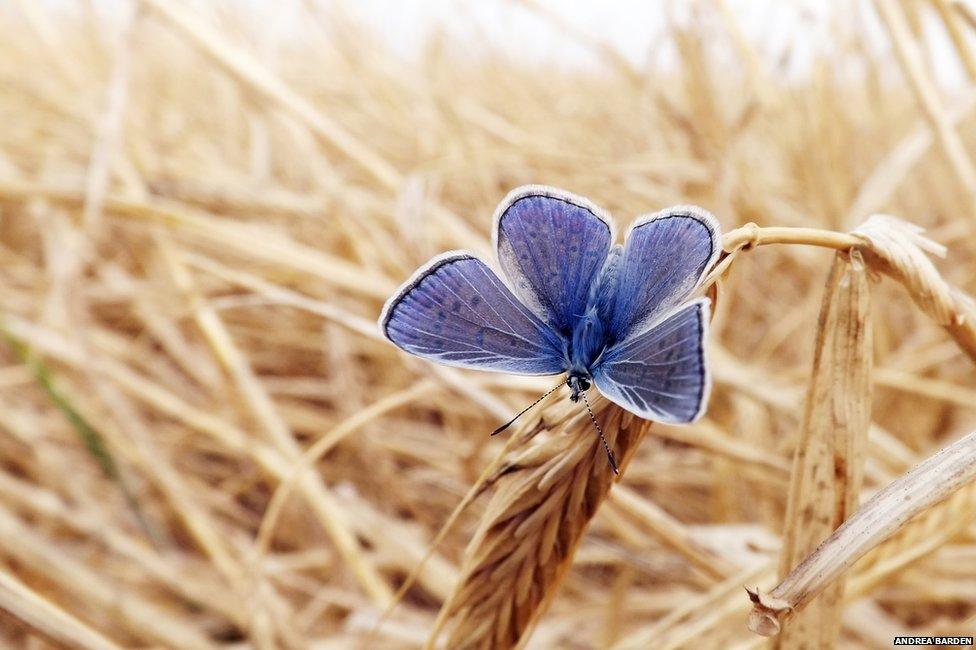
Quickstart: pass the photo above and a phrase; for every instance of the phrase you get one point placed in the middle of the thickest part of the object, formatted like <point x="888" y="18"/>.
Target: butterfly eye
<point x="584" y="384"/>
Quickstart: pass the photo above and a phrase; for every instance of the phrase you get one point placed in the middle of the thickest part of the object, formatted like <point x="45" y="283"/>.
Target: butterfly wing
<point x="660" y="374"/>
<point x="664" y="258"/>
<point x="552" y="245"/>
<point x="457" y="311"/>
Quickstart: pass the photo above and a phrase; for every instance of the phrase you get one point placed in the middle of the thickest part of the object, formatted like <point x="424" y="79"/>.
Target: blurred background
<point x="203" y="206"/>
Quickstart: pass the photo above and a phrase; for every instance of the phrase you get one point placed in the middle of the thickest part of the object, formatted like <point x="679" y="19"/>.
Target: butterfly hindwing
<point x="660" y="374"/>
<point x="457" y="311"/>
<point x="663" y="260"/>
<point x="551" y="246"/>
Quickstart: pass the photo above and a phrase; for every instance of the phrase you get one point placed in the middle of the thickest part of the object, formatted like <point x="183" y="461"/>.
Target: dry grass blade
<point x="927" y="94"/>
<point x="923" y="536"/>
<point x="242" y="66"/>
<point x="829" y="456"/>
<point x="257" y="78"/>
<point x="952" y="21"/>
<point x="48" y="618"/>
<point x="931" y="482"/>
<point x="138" y="616"/>
<point x="672" y="532"/>
<point x="546" y="493"/>
<point x="691" y="610"/>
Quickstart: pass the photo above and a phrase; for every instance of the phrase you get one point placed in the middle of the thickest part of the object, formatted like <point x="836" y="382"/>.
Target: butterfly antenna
<point x="613" y="461"/>
<point x="522" y="412"/>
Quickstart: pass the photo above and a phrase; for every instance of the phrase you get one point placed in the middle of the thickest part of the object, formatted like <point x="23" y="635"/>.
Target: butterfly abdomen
<point x="605" y="288"/>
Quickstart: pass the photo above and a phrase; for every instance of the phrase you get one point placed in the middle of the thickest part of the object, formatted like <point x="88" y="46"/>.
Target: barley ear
<point x="545" y="493"/>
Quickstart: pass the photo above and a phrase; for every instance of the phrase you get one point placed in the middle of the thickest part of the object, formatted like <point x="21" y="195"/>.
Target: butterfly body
<point x="586" y="344"/>
<point x="619" y="317"/>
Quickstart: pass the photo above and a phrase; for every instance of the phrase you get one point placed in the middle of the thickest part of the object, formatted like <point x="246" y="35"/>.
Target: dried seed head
<point x="543" y="499"/>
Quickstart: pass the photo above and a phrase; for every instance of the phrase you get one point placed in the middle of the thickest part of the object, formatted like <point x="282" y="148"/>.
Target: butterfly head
<point x="578" y="384"/>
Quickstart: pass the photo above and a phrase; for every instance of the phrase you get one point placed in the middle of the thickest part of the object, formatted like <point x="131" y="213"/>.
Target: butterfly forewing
<point x="551" y="246"/>
<point x="457" y="311"/>
<point x="663" y="260"/>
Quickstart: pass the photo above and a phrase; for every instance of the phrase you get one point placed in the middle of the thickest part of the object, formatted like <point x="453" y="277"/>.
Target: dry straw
<point x="829" y="457"/>
<point x="929" y="484"/>
<point x="205" y="443"/>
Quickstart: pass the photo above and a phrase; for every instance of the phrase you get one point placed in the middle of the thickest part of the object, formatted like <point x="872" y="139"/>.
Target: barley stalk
<point x="829" y="456"/>
<point x="545" y="494"/>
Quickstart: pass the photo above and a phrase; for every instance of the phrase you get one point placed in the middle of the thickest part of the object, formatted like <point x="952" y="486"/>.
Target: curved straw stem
<point x="891" y="247"/>
<point x="751" y="235"/>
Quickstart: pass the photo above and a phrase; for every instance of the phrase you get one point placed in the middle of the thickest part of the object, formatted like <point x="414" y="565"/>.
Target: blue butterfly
<point x="617" y="316"/>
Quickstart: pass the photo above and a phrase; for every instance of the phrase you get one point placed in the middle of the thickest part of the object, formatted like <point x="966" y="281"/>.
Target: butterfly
<point x="621" y="317"/>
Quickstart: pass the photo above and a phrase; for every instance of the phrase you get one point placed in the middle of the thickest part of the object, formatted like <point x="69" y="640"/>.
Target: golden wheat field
<point x="205" y="442"/>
